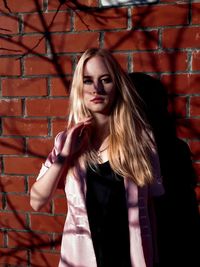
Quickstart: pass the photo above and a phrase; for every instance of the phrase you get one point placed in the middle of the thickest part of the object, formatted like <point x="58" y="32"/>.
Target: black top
<point x="108" y="218"/>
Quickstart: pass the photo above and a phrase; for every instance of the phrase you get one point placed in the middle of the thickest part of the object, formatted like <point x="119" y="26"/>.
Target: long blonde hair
<point x="130" y="140"/>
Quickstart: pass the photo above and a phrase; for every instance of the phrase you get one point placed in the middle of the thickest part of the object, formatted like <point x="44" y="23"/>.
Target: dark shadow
<point x="177" y="210"/>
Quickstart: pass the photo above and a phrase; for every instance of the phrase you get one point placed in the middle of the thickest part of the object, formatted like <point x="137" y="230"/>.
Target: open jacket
<point x="77" y="247"/>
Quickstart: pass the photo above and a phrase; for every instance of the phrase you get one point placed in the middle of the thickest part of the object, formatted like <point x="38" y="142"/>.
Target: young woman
<point x="107" y="163"/>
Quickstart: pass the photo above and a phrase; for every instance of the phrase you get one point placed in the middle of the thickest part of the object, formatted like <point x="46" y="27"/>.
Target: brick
<point x="24" y="87"/>
<point x="196" y="60"/>
<point x="58" y="125"/>
<point x="60" y="193"/>
<point x="181" y="83"/>
<point x="197" y="191"/>
<point x="18" y="45"/>
<point x="47" y="223"/>
<point x="78" y="42"/>
<point x="160" y="15"/>
<point x="196" y="167"/>
<point x="10" y="107"/>
<point x="9" y="67"/>
<point x="105" y="19"/>
<point x="160" y="62"/>
<point x="1" y="202"/>
<point x="24" y="126"/>
<point x="43" y="259"/>
<point x="9" y="183"/>
<point x="195" y="149"/>
<point x="178" y="106"/>
<point x="195" y="13"/>
<point x="57" y="242"/>
<point x="25" y="6"/>
<point x="12" y="146"/>
<point x="60" y="86"/>
<point x="13" y="221"/>
<point x="22" y="165"/>
<point x="33" y="22"/>
<point x="1" y="239"/>
<point x="9" y="25"/>
<point x="184" y="37"/>
<point x="22" y="203"/>
<point x="47" y="107"/>
<point x="29" y="240"/>
<point x="53" y="4"/>
<point x="122" y="60"/>
<point x="188" y="128"/>
<point x="13" y="256"/>
<point x="194" y="106"/>
<point x="48" y="66"/>
<point x="18" y="202"/>
<point x="60" y="205"/>
<point x="131" y="40"/>
<point x="40" y="144"/>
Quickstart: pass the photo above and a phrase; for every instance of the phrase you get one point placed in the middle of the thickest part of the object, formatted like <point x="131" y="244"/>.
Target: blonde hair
<point x="130" y="141"/>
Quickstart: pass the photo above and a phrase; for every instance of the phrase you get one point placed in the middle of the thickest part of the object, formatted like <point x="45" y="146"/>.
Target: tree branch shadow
<point x="177" y="210"/>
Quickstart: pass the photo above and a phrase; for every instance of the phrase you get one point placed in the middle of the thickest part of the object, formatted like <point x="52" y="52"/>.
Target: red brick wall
<point x="162" y="40"/>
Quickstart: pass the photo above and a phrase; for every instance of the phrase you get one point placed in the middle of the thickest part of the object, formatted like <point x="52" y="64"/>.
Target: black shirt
<point x="108" y="218"/>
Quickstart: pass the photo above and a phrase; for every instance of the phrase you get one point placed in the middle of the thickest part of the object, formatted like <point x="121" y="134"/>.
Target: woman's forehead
<point x="95" y="65"/>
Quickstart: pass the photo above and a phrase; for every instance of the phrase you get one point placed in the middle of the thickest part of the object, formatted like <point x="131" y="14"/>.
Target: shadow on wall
<point x="177" y="211"/>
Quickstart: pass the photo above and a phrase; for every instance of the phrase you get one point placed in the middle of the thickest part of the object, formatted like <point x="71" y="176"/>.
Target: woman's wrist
<point x="61" y="159"/>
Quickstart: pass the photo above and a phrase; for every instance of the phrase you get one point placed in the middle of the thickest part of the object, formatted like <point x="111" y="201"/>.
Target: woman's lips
<point x="97" y="99"/>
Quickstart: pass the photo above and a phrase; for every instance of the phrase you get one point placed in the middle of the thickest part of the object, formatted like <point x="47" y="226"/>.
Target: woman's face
<point x="98" y="87"/>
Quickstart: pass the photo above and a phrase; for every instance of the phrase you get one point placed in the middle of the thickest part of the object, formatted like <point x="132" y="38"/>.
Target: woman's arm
<point x="44" y="188"/>
<point x="75" y="142"/>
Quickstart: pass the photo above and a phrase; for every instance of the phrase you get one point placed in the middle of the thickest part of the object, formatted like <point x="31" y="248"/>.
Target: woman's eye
<point x="87" y="81"/>
<point x="106" y="80"/>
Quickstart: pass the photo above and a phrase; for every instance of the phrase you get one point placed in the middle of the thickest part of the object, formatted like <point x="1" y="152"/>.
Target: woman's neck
<point x="101" y="131"/>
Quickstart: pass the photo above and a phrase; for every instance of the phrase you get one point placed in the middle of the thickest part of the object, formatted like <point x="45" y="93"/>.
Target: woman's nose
<point x="98" y="87"/>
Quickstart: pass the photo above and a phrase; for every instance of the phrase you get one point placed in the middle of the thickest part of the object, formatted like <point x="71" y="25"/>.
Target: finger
<point x="87" y="119"/>
<point x="83" y="122"/>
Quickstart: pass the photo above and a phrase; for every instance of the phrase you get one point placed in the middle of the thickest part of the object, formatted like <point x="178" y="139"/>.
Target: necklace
<point x="99" y="153"/>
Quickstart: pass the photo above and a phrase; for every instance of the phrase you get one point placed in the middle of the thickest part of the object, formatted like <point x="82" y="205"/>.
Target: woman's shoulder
<point x="60" y="138"/>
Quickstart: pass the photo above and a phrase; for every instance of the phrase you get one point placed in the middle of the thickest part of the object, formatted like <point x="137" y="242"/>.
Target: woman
<point x="107" y="163"/>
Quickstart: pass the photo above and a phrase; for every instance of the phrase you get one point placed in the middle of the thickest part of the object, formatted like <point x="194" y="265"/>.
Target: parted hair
<point x="130" y="141"/>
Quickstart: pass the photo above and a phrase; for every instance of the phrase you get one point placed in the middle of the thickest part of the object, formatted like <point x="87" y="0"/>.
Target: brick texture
<point x="71" y="42"/>
<point x="12" y="183"/>
<point x="10" y="67"/>
<point x="19" y="45"/>
<point x="11" y="25"/>
<point x="160" y="15"/>
<point x="39" y="47"/>
<point x="131" y="40"/>
<point x="34" y="22"/>
<point x="11" y="107"/>
<point x="24" y="87"/>
<point x="11" y="145"/>
<point x="25" y="6"/>
<point x="102" y="20"/>
<point x="160" y="62"/>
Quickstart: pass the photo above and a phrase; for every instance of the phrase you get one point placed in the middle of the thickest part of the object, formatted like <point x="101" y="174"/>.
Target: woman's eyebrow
<point x="89" y="76"/>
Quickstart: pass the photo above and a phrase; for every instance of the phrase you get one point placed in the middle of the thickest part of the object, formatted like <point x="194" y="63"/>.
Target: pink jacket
<point x="77" y="247"/>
